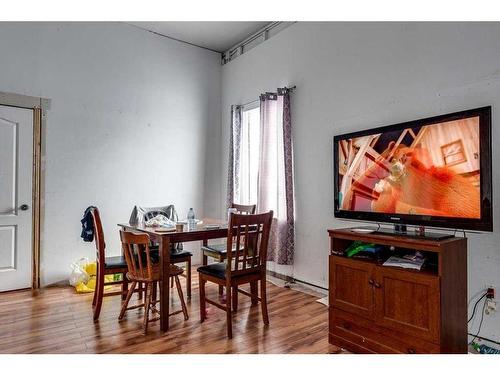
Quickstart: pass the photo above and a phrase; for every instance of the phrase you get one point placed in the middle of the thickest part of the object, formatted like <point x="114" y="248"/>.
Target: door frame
<point x="39" y="106"/>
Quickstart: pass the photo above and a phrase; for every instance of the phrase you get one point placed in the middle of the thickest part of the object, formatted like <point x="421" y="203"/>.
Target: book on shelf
<point x="413" y="263"/>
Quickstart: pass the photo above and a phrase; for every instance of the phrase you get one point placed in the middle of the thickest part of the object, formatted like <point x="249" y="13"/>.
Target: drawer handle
<point x="411" y="351"/>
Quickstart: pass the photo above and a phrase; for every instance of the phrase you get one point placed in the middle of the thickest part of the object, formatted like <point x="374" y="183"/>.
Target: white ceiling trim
<point x="214" y="36"/>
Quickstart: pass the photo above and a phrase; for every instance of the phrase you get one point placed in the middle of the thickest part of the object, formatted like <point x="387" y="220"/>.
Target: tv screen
<point x="434" y="171"/>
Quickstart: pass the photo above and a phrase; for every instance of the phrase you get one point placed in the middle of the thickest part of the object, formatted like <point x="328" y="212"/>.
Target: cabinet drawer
<point x="344" y="343"/>
<point x="363" y="333"/>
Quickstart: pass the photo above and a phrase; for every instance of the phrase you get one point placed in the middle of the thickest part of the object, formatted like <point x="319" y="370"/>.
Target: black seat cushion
<point x="220" y="248"/>
<point x="216" y="248"/>
<point x="115" y="262"/>
<point x="120" y="262"/>
<point x="217" y="270"/>
<point x="155" y="254"/>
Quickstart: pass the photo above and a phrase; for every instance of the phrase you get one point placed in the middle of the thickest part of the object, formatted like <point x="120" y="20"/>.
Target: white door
<point x="16" y="173"/>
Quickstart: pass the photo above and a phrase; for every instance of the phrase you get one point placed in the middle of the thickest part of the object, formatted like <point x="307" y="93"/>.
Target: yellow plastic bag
<point x="89" y="286"/>
<point x="91" y="269"/>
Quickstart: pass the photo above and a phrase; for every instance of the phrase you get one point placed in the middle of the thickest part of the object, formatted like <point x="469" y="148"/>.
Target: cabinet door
<point x="407" y="302"/>
<point x="350" y="286"/>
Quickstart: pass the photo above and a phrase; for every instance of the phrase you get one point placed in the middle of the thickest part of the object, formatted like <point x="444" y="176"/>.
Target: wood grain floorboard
<point x="57" y="320"/>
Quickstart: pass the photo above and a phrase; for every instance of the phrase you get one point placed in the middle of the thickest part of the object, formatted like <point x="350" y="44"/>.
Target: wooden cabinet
<point x="378" y="309"/>
<point x="350" y="288"/>
<point x="407" y="302"/>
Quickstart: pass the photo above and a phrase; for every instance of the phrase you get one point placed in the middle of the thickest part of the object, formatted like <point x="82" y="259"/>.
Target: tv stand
<point x="379" y="309"/>
<point x="400" y="230"/>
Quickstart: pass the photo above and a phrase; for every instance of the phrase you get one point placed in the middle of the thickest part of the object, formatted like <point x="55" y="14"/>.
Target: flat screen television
<point x="430" y="172"/>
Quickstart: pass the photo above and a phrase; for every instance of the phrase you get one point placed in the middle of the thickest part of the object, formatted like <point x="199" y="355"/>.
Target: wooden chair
<point x="177" y="252"/>
<point x="246" y="264"/>
<point x="219" y="251"/>
<point x="141" y="269"/>
<point x="105" y="266"/>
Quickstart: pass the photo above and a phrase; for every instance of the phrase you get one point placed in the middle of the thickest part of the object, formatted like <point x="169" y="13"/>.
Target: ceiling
<point x="216" y="36"/>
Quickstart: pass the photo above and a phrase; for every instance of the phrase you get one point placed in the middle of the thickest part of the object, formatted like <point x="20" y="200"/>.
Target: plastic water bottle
<point x="191" y="220"/>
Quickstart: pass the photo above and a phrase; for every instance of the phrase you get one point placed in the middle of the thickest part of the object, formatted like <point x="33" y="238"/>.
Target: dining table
<point x="206" y="229"/>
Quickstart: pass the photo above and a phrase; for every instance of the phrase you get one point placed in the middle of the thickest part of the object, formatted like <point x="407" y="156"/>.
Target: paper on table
<point x="160" y="221"/>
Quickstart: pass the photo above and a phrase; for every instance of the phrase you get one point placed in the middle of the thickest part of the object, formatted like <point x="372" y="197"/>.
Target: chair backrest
<point x="100" y="245"/>
<point x="142" y="214"/>
<point x="137" y="254"/>
<point x="248" y="236"/>
<point x="244" y="209"/>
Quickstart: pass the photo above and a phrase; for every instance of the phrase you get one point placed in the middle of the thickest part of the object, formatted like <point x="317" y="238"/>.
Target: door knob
<point x="24" y="207"/>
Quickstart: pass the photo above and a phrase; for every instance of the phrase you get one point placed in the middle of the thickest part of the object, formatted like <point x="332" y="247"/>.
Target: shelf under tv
<point x="397" y="231"/>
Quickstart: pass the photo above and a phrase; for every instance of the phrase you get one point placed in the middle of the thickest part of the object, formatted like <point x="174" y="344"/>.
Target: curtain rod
<point x="291" y="89"/>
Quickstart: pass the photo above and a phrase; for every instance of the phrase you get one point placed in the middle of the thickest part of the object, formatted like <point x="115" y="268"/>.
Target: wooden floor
<point x="57" y="320"/>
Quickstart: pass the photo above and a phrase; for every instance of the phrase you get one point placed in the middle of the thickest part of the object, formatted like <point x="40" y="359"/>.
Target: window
<point x="249" y="154"/>
<point x="453" y="153"/>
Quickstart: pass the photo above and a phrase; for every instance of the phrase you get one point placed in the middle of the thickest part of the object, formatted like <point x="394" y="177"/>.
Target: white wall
<point x="129" y="118"/>
<point x="356" y="76"/>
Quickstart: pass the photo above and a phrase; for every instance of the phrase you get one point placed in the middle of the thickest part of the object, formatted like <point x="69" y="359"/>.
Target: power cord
<point x="475" y="305"/>
<point x="480" y="323"/>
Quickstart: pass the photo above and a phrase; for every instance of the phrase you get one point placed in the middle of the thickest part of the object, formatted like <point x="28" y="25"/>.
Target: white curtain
<point x="261" y="168"/>
<point x="275" y="180"/>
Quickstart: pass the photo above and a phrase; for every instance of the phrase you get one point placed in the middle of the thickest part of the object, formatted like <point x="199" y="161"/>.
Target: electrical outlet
<point x="490" y="293"/>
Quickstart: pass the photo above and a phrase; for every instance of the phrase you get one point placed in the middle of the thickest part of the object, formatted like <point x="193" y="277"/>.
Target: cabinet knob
<point x="377" y="285"/>
<point x="347" y="325"/>
<point x="371" y="282"/>
<point x="411" y="351"/>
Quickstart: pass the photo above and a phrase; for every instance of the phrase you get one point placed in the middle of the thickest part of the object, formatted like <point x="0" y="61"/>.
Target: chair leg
<point x="147" y="306"/>
<point x="235" y="298"/>
<point x="263" y="301"/>
<point x="254" y="291"/>
<point x="100" y="296"/>
<point x="181" y="297"/>
<point x="124" y="286"/>
<point x="127" y="300"/>
<point x="229" y="318"/>
<point x="188" y="278"/>
<point x="203" y="303"/>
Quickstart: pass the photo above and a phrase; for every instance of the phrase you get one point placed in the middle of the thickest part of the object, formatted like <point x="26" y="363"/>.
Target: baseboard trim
<point x="280" y="276"/>
<point x="290" y="279"/>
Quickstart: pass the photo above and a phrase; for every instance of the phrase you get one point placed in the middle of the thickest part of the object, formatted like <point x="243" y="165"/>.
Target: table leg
<point x="188" y="278"/>
<point x="164" y="287"/>
<point x="204" y="258"/>
<point x="221" y="287"/>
